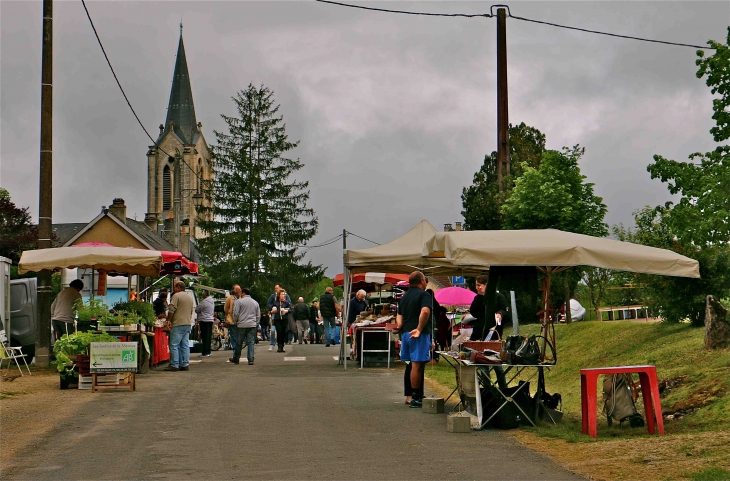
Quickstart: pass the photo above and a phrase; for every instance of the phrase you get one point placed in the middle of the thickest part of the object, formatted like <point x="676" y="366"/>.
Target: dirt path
<point x="30" y="407"/>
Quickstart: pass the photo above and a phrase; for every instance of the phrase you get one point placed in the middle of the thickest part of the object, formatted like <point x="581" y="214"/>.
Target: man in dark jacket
<point x="328" y="308"/>
<point x="358" y="304"/>
<point x="301" y="318"/>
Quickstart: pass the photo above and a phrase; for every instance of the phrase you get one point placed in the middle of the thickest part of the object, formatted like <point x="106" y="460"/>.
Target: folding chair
<point x="12" y="353"/>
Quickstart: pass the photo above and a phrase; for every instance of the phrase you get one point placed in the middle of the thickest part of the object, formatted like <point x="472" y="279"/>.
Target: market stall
<point x="72" y="354"/>
<point x="475" y="252"/>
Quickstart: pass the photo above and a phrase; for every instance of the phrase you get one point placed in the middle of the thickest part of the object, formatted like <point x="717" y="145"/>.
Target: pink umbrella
<point x="454" y="296"/>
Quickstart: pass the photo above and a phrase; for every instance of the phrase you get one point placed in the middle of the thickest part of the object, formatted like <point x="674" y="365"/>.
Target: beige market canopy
<point x="129" y="261"/>
<point x="552" y="247"/>
<point x="403" y="255"/>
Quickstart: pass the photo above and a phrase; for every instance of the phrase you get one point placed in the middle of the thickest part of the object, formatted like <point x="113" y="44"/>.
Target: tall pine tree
<point x="260" y="214"/>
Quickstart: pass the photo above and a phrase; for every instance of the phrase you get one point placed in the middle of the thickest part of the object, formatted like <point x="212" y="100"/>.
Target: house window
<point x="166" y="189"/>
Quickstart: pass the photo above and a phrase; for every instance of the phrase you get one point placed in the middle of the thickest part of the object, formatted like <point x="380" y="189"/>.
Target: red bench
<point x="649" y="392"/>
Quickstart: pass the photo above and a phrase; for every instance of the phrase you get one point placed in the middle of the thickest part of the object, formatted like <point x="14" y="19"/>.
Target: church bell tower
<point x="181" y="136"/>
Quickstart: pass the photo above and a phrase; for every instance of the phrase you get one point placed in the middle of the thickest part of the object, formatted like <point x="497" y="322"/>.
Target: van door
<point x="23" y="311"/>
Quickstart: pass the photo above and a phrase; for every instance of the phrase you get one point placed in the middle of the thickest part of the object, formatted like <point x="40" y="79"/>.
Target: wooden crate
<point x="112" y="379"/>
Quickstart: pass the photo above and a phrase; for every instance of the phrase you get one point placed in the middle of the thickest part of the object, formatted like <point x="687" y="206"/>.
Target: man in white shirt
<point x="204" y="310"/>
<point x="62" y="309"/>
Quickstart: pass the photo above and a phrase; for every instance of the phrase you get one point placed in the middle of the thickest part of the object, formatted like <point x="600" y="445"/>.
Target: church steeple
<point x="180" y="108"/>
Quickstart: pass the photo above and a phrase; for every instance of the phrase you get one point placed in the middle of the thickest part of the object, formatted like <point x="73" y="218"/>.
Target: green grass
<point x="711" y="474"/>
<point x="702" y="389"/>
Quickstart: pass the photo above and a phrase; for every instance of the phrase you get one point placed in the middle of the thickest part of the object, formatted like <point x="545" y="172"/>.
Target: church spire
<point x="180" y="108"/>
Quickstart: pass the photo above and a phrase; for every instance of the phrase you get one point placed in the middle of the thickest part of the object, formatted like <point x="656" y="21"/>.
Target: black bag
<point x="509" y="417"/>
<point x="513" y="343"/>
<point x="529" y="352"/>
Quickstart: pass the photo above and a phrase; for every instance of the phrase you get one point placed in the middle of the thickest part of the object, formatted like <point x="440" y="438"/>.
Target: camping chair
<point x="12" y="353"/>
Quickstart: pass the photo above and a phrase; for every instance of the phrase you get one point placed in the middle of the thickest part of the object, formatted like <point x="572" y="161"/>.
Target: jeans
<point x="232" y="337"/>
<point x="179" y="346"/>
<point x="245" y="335"/>
<point x="272" y="335"/>
<point x="302" y="327"/>
<point x="206" y="332"/>
<point x="329" y="325"/>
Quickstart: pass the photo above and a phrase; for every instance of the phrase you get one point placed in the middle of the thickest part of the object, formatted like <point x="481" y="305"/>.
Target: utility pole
<point x="177" y="186"/>
<point x="345" y="294"/>
<point x="502" y="106"/>
<point x="45" y="195"/>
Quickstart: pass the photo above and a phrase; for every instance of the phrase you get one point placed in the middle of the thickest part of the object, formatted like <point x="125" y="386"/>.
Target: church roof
<point x="180" y="108"/>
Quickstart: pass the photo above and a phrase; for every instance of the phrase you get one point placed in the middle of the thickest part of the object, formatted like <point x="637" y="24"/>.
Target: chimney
<point x="458" y="226"/>
<point x="119" y="210"/>
<point x="447" y="228"/>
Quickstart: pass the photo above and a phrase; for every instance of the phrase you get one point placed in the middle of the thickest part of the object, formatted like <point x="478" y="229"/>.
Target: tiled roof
<point x="63" y="232"/>
<point x="150" y="237"/>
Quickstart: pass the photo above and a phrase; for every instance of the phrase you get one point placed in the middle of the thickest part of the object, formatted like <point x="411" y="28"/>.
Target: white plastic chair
<point x="12" y="353"/>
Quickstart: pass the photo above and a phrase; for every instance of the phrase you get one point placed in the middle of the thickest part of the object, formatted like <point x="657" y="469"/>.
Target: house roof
<point x="63" y="232"/>
<point x="149" y="237"/>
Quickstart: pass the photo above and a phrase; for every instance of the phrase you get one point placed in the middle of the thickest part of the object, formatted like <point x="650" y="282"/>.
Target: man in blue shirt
<point x="415" y="325"/>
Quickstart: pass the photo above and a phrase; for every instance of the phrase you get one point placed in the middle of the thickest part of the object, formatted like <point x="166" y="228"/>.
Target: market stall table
<point x="485" y="379"/>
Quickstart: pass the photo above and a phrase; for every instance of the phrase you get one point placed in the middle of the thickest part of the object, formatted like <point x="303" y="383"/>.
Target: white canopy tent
<point x="473" y="252"/>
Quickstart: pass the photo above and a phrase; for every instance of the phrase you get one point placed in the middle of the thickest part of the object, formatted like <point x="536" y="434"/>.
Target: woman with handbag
<point x="280" y="317"/>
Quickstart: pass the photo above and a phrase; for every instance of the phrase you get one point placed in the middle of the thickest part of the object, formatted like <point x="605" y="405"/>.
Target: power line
<point x="405" y="12"/>
<point x="612" y="34"/>
<point x="125" y="95"/>
<point x="509" y="14"/>
<point x="325" y="243"/>
<point x="376" y="243"/>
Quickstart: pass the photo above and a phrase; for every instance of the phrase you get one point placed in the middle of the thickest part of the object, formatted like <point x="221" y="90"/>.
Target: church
<point x="180" y="136"/>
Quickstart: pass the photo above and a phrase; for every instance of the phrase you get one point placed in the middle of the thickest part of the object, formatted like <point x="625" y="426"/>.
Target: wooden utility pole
<point x="45" y="195"/>
<point x="502" y="106"/>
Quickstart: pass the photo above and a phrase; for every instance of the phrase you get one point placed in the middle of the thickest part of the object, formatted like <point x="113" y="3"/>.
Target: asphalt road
<point x="274" y="420"/>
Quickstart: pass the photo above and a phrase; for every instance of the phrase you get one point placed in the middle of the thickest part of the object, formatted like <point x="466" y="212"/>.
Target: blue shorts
<point x="415" y="349"/>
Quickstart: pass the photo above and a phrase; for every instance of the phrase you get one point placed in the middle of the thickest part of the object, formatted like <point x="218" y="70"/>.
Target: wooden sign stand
<point x="104" y="387"/>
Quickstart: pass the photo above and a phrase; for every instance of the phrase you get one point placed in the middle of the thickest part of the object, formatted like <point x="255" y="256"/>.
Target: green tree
<point x="702" y="215"/>
<point x="17" y="232"/>
<point x="698" y="225"/>
<point x="677" y="298"/>
<point x="482" y="200"/>
<point x="259" y="214"/>
<point x="556" y="196"/>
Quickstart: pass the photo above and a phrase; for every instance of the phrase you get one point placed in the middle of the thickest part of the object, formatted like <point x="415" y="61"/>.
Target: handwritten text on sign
<point x="113" y="357"/>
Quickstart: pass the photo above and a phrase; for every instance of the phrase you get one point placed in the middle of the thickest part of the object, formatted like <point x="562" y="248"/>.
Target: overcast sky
<point x="394" y="112"/>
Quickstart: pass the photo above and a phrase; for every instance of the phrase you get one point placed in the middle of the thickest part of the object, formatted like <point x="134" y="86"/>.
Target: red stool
<point x="649" y="392"/>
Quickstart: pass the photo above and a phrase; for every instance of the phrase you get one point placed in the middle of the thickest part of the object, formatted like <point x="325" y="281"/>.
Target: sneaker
<point x="326" y="345"/>
<point x="271" y="348"/>
<point x="250" y="363"/>
<point x="185" y="368"/>
<point x="171" y="368"/>
<point x="416" y="403"/>
<point x="233" y="361"/>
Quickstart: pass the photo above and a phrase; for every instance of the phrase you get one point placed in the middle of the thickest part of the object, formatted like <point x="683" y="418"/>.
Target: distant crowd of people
<point x="281" y="322"/>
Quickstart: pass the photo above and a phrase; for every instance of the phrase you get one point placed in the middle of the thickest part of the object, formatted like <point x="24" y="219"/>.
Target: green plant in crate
<point x="144" y="310"/>
<point x="95" y="310"/>
<point x="125" y="318"/>
<point x="72" y="345"/>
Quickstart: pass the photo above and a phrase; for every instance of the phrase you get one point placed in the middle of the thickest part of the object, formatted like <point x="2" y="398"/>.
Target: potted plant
<point x="144" y="311"/>
<point x="68" y="347"/>
<point x="91" y="315"/>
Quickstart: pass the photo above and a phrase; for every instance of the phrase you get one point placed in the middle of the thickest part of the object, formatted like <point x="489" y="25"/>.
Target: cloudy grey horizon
<point x="395" y="113"/>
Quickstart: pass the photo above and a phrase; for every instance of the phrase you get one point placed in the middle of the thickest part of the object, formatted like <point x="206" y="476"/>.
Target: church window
<point x="166" y="189"/>
<point x="200" y="176"/>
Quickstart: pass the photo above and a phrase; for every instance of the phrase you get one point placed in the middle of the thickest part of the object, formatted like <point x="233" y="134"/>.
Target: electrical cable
<point x="405" y="12"/>
<point x="88" y="15"/>
<point x="325" y="243"/>
<point x="509" y="14"/>
<point x="353" y="234"/>
<point x="612" y="34"/>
